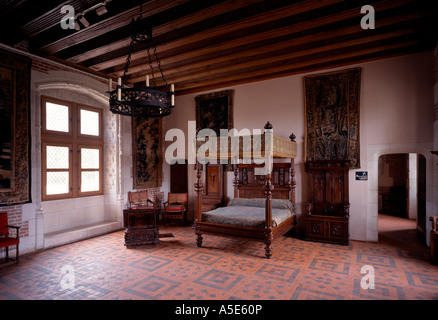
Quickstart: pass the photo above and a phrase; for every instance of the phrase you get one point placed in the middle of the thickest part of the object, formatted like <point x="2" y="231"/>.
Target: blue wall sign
<point x="362" y="175"/>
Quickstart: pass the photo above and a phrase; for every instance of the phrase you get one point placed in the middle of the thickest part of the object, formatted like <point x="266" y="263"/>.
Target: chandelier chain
<point x="144" y="101"/>
<point x="159" y="67"/>
<point x="151" y="67"/>
<point x="128" y="61"/>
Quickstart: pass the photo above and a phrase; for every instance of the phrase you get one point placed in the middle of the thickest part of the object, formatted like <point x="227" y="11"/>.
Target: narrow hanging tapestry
<point x="332" y="116"/>
<point x="15" y="140"/>
<point x="146" y="152"/>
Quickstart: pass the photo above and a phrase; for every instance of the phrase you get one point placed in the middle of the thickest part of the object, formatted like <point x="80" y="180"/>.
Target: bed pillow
<point x="260" y="202"/>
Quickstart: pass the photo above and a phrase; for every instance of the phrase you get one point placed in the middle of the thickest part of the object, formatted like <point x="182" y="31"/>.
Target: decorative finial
<point x="268" y="126"/>
<point x="292" y="137"/>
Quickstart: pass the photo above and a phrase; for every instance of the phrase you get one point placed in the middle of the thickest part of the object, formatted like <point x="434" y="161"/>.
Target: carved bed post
<point x="293" y="183"/>
<point x="268" y="218"/>
<point x="198" y="213"/>
<point x="268" y="193"/>
<point x="269" y="236"/>
<point x="236" y="179"/>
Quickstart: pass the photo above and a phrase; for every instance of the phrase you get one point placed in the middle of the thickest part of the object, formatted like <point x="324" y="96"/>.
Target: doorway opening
<point x="402" y="199"/>
<point x="178" y="177"/>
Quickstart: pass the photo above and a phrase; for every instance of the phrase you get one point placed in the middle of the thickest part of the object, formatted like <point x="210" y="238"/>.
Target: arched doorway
<point x="402" y="199"/>
<point x="373" y="154"/>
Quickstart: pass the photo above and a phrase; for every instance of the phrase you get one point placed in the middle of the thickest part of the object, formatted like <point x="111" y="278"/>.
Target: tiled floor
<point x="225" y="268"/>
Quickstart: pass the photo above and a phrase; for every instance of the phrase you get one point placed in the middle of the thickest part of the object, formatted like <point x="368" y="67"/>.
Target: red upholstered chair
<point x="175" y="207"/>
<point x="5" y="240"/>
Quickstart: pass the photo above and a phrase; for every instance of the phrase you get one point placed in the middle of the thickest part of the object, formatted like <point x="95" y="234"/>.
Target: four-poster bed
<point x="263" y="205"/>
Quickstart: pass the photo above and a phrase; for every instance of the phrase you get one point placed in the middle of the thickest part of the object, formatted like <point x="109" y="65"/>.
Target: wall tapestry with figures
<point x="146" y="152"/>
<point x="14" y="129"/>
<point x="332" y="116"/>
<point x="215" y="111"/>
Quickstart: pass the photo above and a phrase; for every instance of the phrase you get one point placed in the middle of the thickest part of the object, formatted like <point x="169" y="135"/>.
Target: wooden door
<point x="335" y="187"/>
<point x="178" y="178"/>
<point x="336" y="191"/>
<point x="213" y="192"/>
<point x="318" y="191"/>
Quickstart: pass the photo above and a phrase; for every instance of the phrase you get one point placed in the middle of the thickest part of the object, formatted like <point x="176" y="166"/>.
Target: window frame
<point x="86" y="136"/>
<point x="44" y="146"/>
<point x="80" y="170"/>
<point x="76" y="141"/>
<point x="44" y="131"/>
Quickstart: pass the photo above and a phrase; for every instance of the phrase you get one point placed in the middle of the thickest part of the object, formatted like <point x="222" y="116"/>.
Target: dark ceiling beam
<point x="43" y="15"/>
<point x="207" y="44"/>
<point x="321" y="67"/>
<point x="55" y="38"/>
<point x="27" y="18"/>
<point x="78" y="54"/>
<point x="191" y="62"/>
<point x="309" y="65"/>
<point x="118" y="37"/>
<point x="310" y="32"/>
<point x="277" y="55"/>
<point x="222" y="39"/>
<point x="231" y="25"/>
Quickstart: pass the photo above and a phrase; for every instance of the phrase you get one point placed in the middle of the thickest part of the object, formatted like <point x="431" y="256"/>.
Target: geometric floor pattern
<point x="225" y="268"/>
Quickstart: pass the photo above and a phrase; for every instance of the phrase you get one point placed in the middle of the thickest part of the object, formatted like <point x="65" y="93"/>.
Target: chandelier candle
<point x="172" y="97"/>
<point x="119" y="89"/>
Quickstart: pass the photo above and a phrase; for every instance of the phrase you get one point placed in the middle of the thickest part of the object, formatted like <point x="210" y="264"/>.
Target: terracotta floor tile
<point x="234" y="268"/>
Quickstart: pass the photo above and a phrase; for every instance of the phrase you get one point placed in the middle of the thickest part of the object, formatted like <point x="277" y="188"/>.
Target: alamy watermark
<point x="68" y="278"/>
<point x="206" y="146"/>
<point x="368" y="21"/>
<point x="68" y="21"/>
<point x="368" y="280"/>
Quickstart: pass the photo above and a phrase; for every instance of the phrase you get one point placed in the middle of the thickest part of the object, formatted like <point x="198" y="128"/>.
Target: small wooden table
<point x="141" y="226"/>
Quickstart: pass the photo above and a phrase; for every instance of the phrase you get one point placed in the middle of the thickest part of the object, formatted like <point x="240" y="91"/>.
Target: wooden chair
<point x="5" y="240"/>
<point x="175" y="207"/>
<point x="139" y="199"/>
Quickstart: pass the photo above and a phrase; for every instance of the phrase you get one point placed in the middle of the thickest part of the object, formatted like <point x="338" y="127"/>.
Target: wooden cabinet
<point x="141" y="226"/>
<point x="328" y="206"/>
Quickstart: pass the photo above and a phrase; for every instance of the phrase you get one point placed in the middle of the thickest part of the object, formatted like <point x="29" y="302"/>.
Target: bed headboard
<point x="248" y="185"/>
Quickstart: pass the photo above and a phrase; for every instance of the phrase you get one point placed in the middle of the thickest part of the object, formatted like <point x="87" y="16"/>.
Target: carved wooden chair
<point x="175" y="207"/>
<point x="5" y="240"/>
<point x="139" y="199"/>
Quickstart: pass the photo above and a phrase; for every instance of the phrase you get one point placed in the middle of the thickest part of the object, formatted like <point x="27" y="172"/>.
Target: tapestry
<point x="214" y="111"/>
<point x="14" y="129"/>
<point x="146" y="152"/>
<point x="332" y="116"/>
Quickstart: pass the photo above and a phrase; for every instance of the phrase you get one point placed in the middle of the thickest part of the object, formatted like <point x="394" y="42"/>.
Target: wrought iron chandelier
<point x="147" y="101"/>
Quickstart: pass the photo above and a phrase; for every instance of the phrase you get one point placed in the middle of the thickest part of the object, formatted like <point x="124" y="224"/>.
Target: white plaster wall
<point x="396" y="116"/>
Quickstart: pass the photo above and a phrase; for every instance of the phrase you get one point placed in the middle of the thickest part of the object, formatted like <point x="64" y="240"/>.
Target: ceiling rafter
<point x="242" y="48"/>
<point x="227" y="35"/>
<point x="209" y="44"/>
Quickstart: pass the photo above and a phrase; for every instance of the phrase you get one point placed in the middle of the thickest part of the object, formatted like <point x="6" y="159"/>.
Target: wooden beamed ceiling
<point x="204" y="45"/>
